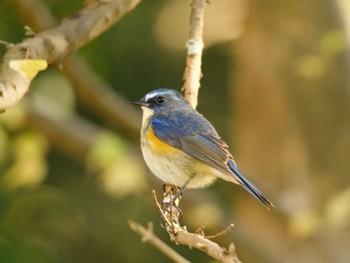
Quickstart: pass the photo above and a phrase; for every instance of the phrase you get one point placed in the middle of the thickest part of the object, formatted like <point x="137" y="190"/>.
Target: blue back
<point x="187" y="130"/>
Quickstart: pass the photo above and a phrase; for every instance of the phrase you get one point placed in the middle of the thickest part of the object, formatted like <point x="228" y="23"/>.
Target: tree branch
<point x="149" y="236"/>
<point x="192" y="78"/>
<point x="56" y="44"/>
<point x="92" y="90"/>
<point x="211" y="248"/>
<point x="180" y="235"/>
<point x="194" y="45"/>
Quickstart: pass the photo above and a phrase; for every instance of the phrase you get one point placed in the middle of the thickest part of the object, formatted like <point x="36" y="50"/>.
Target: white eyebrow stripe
<point x="148" y="96"/>
<point x="151" y="95"/>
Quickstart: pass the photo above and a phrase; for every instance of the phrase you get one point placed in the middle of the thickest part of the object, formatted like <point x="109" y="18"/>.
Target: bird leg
<point x="180" y="191"/>
<point x="171" y="200"/>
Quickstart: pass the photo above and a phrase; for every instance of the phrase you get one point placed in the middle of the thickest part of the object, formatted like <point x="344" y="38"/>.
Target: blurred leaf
<point x="303" y="224"/>
<point x="121" y="173"/>
<point x="337" y="212"/>
<point x="29" y="164"/>
<point x="210" y="211"/>
<point x="311" y="66"/>
<point x="333" y="42"/>
<point x="53" y="94"/>
<point x="107" y="149"/>
<point x="29" y="145"/>
<point x="4" y="151"/>
<point x="125" y="177"/>
<point x="15" y="118"/>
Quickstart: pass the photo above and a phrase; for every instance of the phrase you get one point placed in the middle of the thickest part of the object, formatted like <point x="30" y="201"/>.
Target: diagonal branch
<point x="56" y="44"/>
<point x="209" y="247"/>
<point x="149" y="236"/>
<point x="91" y="89"/>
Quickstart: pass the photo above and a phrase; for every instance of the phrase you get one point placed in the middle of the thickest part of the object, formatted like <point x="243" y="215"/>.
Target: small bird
<point x="182" y="148"/>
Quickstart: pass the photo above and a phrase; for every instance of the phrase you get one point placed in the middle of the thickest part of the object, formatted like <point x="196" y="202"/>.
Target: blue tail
<point x="249" y="186"/>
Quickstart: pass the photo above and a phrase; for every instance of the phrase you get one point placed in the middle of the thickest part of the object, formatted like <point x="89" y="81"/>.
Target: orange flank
<point x="157" y="145"/>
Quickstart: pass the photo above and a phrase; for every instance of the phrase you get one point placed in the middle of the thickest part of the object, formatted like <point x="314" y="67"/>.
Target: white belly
<point x="178" y="169"/>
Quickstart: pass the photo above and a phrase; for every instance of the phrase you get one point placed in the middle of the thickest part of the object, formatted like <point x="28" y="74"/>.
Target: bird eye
<point x="160" y="100"/>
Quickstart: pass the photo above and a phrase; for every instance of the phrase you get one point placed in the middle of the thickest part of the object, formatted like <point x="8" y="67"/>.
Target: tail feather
<point x="250" y="187"/>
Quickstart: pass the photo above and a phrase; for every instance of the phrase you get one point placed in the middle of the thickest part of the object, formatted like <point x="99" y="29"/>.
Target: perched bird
<point x="182" y="148"/>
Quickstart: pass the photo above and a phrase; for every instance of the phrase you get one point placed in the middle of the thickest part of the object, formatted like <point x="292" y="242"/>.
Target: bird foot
<point x="171" y="212"/>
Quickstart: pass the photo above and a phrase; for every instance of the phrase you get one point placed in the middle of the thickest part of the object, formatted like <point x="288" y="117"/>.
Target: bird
<point x="182" y="148"/>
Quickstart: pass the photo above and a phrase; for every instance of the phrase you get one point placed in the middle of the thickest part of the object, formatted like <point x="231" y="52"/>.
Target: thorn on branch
<point x="29" y="32"/>
<point x="200" y="230"/>
<point x="27" y="52"/>
<point x="148" y="235"/>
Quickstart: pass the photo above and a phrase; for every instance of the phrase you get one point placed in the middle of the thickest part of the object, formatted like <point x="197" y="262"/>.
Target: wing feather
<point x="207" y="146"/>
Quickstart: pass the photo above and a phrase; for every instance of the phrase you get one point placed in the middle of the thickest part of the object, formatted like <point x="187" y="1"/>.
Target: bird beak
<point x="141" y="103"/>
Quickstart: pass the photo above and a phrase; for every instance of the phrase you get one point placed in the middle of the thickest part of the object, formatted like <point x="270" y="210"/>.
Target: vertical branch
<point x="192" y="78"/>
<point x="194" y="45"/>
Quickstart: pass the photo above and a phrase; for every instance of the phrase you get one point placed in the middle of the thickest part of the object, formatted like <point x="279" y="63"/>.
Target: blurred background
<point x="276" y="87"/>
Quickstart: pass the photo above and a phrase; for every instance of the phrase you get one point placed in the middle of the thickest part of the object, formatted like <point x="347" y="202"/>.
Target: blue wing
<point x="196" y="138"/>
<point x="200" y="140"/>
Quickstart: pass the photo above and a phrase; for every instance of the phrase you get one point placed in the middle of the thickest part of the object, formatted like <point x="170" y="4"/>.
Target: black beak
<point x="141" y="103"/>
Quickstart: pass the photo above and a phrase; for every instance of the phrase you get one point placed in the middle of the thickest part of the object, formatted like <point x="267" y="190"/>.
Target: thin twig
<point x="200" y="230"/>
<point x="171" y="210"/>
<point x="149" y="237"/>
<point x="222" y="233"/>
<point x="160" y="208"/>
<point x="195" y="45"/>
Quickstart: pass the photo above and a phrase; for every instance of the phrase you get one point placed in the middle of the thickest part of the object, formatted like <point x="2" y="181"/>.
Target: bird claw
<point x="171" y="212"/>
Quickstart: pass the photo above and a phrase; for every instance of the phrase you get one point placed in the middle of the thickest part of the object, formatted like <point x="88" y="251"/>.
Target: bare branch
<point x="162" y="213"/>
<point x="56" y="44"/>
<point x="193" y="71"/>
<point x="180" y="235"/>
<point x="149" y="236"/>
<point x="209" y="247"/>
<point x="92" y="90"/>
